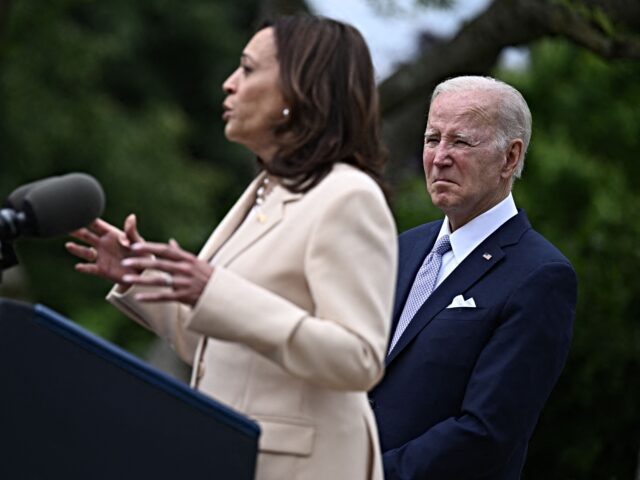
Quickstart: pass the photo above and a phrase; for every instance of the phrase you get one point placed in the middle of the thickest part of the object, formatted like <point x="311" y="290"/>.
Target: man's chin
<point x="442" y="200"/>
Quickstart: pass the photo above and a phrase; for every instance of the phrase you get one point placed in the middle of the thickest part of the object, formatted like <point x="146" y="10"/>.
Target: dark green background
<point x="130" y="92"/>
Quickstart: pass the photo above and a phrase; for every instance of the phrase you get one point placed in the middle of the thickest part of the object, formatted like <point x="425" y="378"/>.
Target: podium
<point x="74" y="406"/>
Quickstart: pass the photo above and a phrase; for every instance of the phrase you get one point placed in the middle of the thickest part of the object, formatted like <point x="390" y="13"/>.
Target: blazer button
<point x="372" y="403"/>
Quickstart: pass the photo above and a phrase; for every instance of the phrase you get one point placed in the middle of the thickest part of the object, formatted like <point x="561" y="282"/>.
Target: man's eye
<point x="246" y="69"/>
<point x="431" y="141"/>
<point x="462" y="143"/>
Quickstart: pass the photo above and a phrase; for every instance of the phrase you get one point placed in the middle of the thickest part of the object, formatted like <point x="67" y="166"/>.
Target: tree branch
<point x="606" y="27"/>
<point x="474" y="50"/>
<point x="606" y="31"/>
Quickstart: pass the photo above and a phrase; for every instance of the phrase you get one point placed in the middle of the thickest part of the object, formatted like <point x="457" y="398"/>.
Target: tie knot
<point x="442" y="246"/>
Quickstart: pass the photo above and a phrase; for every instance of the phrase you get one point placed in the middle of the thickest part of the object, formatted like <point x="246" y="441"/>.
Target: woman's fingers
<point x="89" y="268"/>
<point x="158" y="296"/>
<point x="96" y="230"/>
<point x="163" y="250"/>
<point x="148" y="280"/>
<point x="167" y="265"/>
<point x="177" y="289"/>
<point x="155" y="263"/>
<point x="131" y="229"/>
<point x="85" y="236"/>
<point x="182" y="273"/>
<point x="100" y="227"/>
<point x="89" y="254"/>
<point x="102" y="247"/>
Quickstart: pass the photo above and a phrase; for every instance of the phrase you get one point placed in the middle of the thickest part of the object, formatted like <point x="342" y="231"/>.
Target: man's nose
<point x="441" y="155"/>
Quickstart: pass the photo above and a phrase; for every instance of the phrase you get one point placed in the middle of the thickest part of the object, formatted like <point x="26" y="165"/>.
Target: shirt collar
<point x="466" y="238"/>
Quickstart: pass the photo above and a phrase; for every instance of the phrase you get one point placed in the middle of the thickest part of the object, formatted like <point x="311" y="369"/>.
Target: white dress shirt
<point x="466" y="238"/>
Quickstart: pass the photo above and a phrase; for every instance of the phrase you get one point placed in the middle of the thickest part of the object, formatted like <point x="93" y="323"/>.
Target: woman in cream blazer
<point x="285" y="312"/>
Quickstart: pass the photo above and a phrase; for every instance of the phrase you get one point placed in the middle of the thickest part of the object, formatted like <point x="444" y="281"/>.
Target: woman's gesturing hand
<point x="184" y="274"/>
<point x="105" y="246"/>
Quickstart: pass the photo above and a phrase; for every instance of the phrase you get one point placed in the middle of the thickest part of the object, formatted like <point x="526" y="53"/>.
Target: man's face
<point x="466" y="172"/>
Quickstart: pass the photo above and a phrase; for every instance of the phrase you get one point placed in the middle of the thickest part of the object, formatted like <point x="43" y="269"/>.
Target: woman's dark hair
<point x="328" y="84"/>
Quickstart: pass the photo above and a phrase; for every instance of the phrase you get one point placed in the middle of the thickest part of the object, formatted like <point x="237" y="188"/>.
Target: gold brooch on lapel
<point x="487" y="256"/>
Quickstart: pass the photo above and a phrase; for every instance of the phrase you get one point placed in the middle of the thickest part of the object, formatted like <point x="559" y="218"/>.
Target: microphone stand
<point x="8" y="256"/>
<point x="10" y="222"/>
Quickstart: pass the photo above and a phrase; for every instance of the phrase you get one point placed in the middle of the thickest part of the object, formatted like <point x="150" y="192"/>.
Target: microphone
<point x="51" y="207"/>
<point x="16" y="198"/>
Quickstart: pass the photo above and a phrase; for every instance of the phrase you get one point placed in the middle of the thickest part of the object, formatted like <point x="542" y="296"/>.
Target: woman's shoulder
<point x="348" y="198"/>
<point x="345" y="178"/>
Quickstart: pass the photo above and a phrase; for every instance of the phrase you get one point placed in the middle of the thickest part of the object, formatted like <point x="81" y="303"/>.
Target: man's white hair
<point x="514" y="116"/>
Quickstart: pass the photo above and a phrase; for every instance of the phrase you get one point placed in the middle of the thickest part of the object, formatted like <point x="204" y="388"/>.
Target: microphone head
<point x="15" y="200"/>
<point x="60" y="205"/>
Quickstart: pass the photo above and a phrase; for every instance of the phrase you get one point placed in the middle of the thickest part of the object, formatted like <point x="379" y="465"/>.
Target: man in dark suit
<point x="482" y="324"/>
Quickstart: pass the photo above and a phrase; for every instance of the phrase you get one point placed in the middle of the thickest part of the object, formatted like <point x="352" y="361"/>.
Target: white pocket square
<point x="460" y="302"/>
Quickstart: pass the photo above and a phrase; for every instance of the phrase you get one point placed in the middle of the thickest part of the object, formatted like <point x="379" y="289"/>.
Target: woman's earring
<point x="285" y="112"/>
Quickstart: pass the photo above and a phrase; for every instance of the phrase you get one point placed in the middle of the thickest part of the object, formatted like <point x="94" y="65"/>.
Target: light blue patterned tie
<point x="423" y="285"/>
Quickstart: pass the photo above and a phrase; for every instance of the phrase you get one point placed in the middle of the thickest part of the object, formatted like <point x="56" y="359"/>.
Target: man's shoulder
<point x="518" y="235"/>
<point x="534" y="245"/>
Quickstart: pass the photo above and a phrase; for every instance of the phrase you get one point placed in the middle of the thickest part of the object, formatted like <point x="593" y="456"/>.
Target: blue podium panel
<point x="73" y="406"/>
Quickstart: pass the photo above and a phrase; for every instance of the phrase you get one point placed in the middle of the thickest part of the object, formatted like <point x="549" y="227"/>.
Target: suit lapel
<point x="231" y="221"/>
<point x="273" y="209"/>
<point x="252" y="229"/>
<point x="409" y="265"/>
<point x="488" y="254"/>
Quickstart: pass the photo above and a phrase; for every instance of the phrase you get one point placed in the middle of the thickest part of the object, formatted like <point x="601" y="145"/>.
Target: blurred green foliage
<point x="579" y="189"/>
<point x="129" y="92"/>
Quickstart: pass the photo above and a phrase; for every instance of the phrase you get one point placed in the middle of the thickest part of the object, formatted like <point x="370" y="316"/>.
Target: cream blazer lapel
<point x="273" y="209"/>
<point x="231" y="221"/>
<point x="229" y="224"/>
<point x="253" y="230"/>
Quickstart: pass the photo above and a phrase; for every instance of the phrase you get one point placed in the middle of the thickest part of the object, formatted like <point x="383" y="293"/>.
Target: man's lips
<point x="442" y="181"/>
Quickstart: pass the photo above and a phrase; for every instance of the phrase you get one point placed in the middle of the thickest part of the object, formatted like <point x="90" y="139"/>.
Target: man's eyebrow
<point x="462" y="135"/>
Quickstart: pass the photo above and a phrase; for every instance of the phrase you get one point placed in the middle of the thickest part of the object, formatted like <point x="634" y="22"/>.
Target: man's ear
<point x="512" y="156"/>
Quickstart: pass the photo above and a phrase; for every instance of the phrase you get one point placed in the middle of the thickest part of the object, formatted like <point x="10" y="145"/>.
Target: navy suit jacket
<point x="464" y="387"/>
